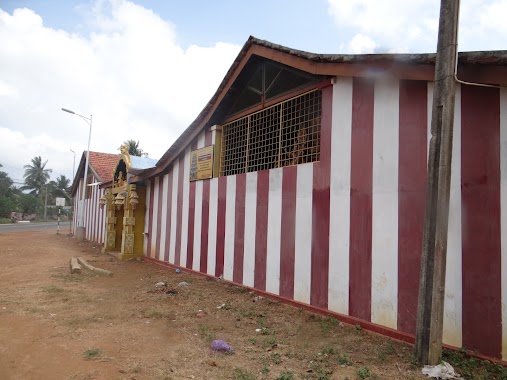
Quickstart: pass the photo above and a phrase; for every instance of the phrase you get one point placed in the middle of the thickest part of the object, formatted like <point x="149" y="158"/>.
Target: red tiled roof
<point x="103" y="164"/>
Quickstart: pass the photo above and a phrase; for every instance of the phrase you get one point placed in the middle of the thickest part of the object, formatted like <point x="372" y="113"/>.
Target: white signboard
<point x="60" y="202"/>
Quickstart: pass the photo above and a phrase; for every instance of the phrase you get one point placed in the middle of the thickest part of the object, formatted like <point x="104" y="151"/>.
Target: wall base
<point x="127" y="256"/>
<point x="80" y="233"/>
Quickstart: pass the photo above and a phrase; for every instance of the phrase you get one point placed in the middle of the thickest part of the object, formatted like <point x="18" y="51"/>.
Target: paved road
<point x="64" y="226"/>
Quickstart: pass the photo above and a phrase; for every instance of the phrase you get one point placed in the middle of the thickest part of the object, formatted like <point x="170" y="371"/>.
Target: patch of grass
<point x="343" y="360"/>
<point x="326" y="324"/>
<point x="265" y="331"/>
<point x="384" y="351"/>
<point x="358" y="327"/>
<point x="206" y="334"/>
<point x="328" y="351"/>
<point x="51" y="289"/>
<point x="92" y="353"/>
<point x="363" y="373"/>
<point x="318" y="372"/>
<point x="270" y="342"/>
<point x="154" y="312"/>
<point x="239" y="289"/>
<point x="68" y="277"/>
<point x="276" y="357"/>
<point x="247" y="313"/>
<point x="264" y="369"/>
<point x="472" y="368"/>
<point x="252" y="340"/>
<point x="241" y="374"/>
<point x="285" y="376"/>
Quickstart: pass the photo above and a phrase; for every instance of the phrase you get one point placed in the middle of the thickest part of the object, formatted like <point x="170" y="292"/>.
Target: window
<point x="287" y="133"/>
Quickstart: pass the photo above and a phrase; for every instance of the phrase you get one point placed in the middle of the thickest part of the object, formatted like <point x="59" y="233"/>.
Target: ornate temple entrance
<point x="125" y="204"/>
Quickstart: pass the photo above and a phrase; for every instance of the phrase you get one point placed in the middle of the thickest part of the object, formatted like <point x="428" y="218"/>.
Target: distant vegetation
<point x="30" y="198"/>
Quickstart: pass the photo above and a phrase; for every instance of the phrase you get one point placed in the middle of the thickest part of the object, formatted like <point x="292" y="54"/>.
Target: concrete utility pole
<point x="428" y="344"/>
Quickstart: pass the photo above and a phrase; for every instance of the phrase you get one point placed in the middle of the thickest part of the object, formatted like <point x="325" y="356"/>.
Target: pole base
<point x="80" y="233"/>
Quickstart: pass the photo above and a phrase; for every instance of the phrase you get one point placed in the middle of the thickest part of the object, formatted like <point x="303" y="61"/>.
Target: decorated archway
<point x="125" y="205"/>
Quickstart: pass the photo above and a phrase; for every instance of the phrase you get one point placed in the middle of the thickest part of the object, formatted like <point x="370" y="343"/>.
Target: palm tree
<point x="134" y="149"/>
<point x="61" y="187"/>
<point x="36" y="176"/>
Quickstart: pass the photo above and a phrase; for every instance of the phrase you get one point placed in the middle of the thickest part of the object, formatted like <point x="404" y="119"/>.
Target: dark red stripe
<point x="239" y="230"/>
<point x="181" y="168"/>
<point x="169" y="213"/>
<point x="261" y="229"/>
<point x="480" y="192"/>
<point x="203" y="265"/>
<point x="288" y="231"/>
<point x="411" y="196"/>
<point x="159" y="215"/>
<point x="320" y="207"/>
<point x="361" y="178"/>
<point x="222" y="190"/>
<point x="150" y="220"/>
<point x="191" y="217"/>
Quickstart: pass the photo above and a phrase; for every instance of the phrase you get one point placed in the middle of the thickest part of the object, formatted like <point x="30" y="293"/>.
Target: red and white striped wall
<point x="345" y="234"/>
<point x="94" y="216"/>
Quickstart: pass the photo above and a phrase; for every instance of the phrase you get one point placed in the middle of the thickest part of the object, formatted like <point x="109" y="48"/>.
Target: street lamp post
<point x="81" y="229"/>
<point x="73" y="164"/>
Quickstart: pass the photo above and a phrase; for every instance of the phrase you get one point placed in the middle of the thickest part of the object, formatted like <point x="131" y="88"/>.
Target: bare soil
<point x="57" y="325"/>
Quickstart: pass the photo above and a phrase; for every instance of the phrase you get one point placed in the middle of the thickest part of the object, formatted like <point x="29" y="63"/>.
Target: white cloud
<point x="361" y="44"/>
<point x="412" y="26"/>
<point x="130" y="73"/>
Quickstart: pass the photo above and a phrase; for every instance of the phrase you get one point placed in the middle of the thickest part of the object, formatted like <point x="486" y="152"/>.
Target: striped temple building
<point x="100" y="171"/>
<point x="318" y="188"/>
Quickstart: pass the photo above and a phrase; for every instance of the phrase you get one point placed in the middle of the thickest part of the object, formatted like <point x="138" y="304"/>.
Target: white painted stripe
<point x="184" y="218"/>
<point x="197" y="226"/>
<point x="250" y="228"/>
<point x="174" y="209"/>
<point x="198" y="214"/>
<point x="212" y="225"/>
<point x="230" y="224"/>
<point x="274" y="231"/>
<point x="303" y="243"/>
<point x="156" y="210"/>
<point x="452" y="333"/>
<point x="339" y="221"/>
<point x="503" y="213"/>
<point x="163" y="219"/>
<point x="147" y="218"/>
<point x="94" y="207"/>
<point x="429" y="111"/>
<point x="96" y="214"/>
<point x="200" y="140"/>
<point x="384" y="271"/>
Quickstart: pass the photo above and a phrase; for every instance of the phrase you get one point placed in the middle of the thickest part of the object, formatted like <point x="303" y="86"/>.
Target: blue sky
<point x="206" y="22"/>
<point x="146" y="68"/>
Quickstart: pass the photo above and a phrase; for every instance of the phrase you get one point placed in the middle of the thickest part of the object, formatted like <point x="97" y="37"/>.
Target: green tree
<point x="29" y="204"/>
<point x="36" y="176"/>
<point x="5" y="183"/>
<point x="7" y="195"/>
<point x="134" y="149"/>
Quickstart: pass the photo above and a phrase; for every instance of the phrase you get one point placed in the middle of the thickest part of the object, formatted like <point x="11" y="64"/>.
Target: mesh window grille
<point x="287" y="133"/>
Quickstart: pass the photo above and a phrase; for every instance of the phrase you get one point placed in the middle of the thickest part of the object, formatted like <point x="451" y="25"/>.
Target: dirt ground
<point x="54" y="325"/>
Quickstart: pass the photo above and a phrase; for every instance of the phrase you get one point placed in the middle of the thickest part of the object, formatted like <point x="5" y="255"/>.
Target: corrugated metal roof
<point x="141" y="163"/>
